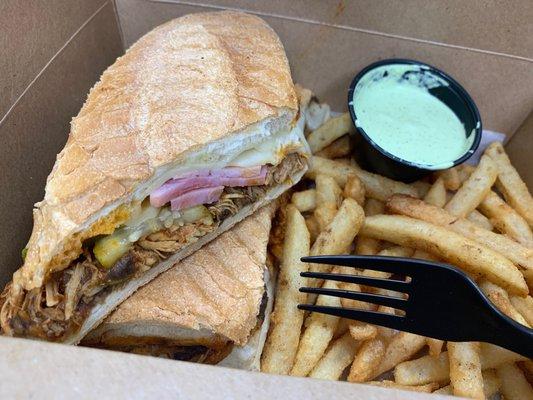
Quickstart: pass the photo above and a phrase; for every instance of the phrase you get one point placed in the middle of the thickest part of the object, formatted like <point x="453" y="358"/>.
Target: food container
<point x="53" y="52"/>
<point x="378" y="159"/>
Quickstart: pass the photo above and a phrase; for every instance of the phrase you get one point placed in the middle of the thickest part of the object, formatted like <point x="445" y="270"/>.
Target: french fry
<point x="415" y="208"/>
<point x="304" y="200"/>
<point x="367" y="360"/>
<point x="362" y="331"/>
<point x="313" y="227"/>
<point x="394" y="251"/>
<point x="524" y="305"/>
<point x="491" y="385"/>
<point x="434" y="346"/>
<point x="450" y="178"/>
<point x="364" y="245"/>
<point x="377" y="186"/>
<point x="464" y="171"/>
<point x="374" y="207"/>
<point x="514" y="385"/>
<point x="401" y="347"/>
<point x="436" y="195"/>
<point x="355" y="189"/>
<point x="510" y="184"/>
<point x="330" y="131"/>
<point x="423" y="255"/>
<point x="327" y="191"/>
<point x="286" y="320"/>
<point x="493" y="356"/>
<point x="336" y="359"/>
<point x="480" y="220"/>
<point x="350" y="303"/>
<point x="341" y="147"/>
<point x="421" y="187"/>
<point x="448" y="245"/>
<point x="317" y="335"/>
<point x="339" y="234"/>
<point x="528" y="276"/>
<point x="506" y="220"/>
<point x="500" y="298"/>
<point x="428" y="388"/>
<point x="423" y="370"/>
<point x="343" y="325"/>
<point x="324" y="214"/>
<point x="465" y="369"/>
<point x="474" y="190"/>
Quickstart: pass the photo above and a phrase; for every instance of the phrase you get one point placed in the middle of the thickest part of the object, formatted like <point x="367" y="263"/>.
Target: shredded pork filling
<point x="60" y="307"/>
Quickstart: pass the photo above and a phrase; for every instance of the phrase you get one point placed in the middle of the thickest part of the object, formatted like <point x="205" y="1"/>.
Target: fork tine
<point x="406" y="266"/>
<point x="390" y="284"/>
<point x="371" y="317"/>
<point x="387" y="301"/>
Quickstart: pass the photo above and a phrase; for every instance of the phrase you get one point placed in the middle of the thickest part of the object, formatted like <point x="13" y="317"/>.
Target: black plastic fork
<point x="442" y="302"/>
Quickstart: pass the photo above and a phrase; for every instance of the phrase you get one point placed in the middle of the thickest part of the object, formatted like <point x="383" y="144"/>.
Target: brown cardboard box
<point x="52" y="52"/>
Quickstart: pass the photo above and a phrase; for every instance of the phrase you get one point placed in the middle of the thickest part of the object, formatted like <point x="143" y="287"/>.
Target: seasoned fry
<point x="450" y="178"/>
<point x="428" y="388"/>
<point x="524" y="305"/>
<point x="304" y="200"/>
<point x="422" y="255"/>
<point x="330" y="131"/>
<point x="327" y="191"/>
<point x="510" y="184"/>
<point x="341" y="147"/>
<point x="500" y="298"/>
<point x="480" y="220"/>
<point x="339" y="234"/>
<point x="377" y="186"/>
<point x="317" y="335"/>
<point x="500" y="243"/>
<point x="394" y="251"/>
<point x="286" y="320"/>
<point x="493" y="356"/>
<point x="474" y="190"/>
<point x="355" y="189"/>
<point x="324" y="214"/>
<point x="528" y="276"/>
<point x="465" y="370"/>
<point x="364" y="245"/>
<point x="421" y="187"/>
<point x="367" y="359"/>
<point x="436" y="195"/>
<point x="350" y="303"/>
<point x="506" y="220"/>
<point x="514" y="385"/>
<point x="491" y="385"/>
<point x="464" y="172"/>
<point x="342" y="326"/>
<point x="456" y="249"/>
<point x="434" y="346"/>
<point x="336" y="359"/>
<point x="362" y="331"/>
<point x="423" y="370"/>
<point x="402" y="346"/>
<point x="313" y="227"/>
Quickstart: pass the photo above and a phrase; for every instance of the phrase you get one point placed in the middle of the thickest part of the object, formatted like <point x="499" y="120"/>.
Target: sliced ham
<point x="196" y="197"/>
<point x="231" y="176"/>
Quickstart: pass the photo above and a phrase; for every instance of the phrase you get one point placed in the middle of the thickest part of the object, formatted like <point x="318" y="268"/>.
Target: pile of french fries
<point x="476" y="218"/>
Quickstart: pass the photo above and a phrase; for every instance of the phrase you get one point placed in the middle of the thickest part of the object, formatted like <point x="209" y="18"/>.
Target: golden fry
<point x="436" y="195"/>
<point x="465" y="370"/>
<point x="362" y="331"/>
<point x="423" y="370"/>
<point x="434" y="346"/>
<point x="304" y="200"/>
<point x="514" y="385"/>
<point x="480" y="220"/>
<point x="524" y="305"/>
<point x="474" y="190"/>
<point x="330" y="131"/>
<point x="456" y="249"/>
<point x="354" y="189"/>
<point x="510" y="184"/>
<point x="500" y="298"/>
<point x="450" y="178"/>
<point x="367" y="360"/>
<point x="286" y="321"/>
<point x="341" y="147"/>
<point x="313" y="227"/>
<point x="338" y="356"/>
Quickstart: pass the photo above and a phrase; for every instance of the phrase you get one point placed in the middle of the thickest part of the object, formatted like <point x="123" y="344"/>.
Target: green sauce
<point x="399" y="114"/>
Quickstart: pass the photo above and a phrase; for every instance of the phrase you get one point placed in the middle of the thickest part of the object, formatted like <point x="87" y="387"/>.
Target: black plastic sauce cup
<point x="377" y="159"/>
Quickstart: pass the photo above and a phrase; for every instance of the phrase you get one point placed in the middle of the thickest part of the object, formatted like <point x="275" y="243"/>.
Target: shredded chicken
<point x="59" y="307"/>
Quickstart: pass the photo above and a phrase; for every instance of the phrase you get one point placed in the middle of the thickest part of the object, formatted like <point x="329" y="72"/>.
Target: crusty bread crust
<point x="212" y="296"/>
<point x="200" y="79"/>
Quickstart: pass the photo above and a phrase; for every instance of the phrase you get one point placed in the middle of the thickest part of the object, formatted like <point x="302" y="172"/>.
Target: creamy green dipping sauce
<point x="399" y="114"/>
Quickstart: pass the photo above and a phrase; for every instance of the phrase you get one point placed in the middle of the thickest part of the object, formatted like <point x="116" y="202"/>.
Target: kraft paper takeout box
<point x="51" y="53"/>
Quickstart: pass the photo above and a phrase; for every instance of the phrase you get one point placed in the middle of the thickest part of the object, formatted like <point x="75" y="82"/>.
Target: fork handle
<point x="513" y="336"/>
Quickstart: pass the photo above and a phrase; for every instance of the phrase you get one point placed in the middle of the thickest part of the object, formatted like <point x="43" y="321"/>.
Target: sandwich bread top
<point x="189" y="82"/>
<point x="219" y="289"/>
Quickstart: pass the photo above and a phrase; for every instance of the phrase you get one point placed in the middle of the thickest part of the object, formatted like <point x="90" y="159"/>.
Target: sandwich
<point x="209" y="307"/>
<point x="193" y="129"/>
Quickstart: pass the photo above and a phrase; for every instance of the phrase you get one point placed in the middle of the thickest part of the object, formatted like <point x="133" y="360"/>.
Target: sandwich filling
<point x="174" y="215"/>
